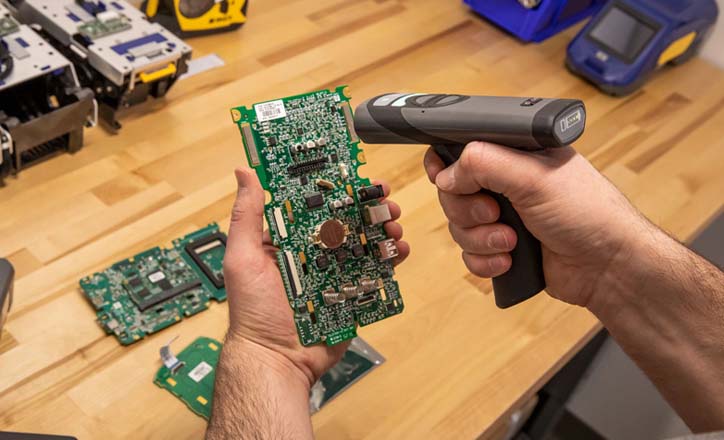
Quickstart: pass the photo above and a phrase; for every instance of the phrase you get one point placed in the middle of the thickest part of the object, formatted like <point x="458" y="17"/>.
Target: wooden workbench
<point x="456" y="366"/>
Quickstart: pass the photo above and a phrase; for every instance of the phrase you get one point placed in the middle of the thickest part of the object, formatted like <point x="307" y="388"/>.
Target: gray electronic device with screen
<point x="43" y="108"/>
<point x="121" y="56"/>
<point x="449" y="122"/>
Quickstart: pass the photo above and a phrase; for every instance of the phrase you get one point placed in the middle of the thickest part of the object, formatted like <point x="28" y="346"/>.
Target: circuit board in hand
<point x="157" y="288"/>
<point x="335" y="257"/>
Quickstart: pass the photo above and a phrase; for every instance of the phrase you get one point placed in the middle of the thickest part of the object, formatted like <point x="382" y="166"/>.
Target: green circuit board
<point x="7" y="25"/>
<point x="159" y="287"/>
<point x="191" y="379"/>
<point x="335" y="257"/>
<point x="190" y="375"/>
<point x="98" y="28"/>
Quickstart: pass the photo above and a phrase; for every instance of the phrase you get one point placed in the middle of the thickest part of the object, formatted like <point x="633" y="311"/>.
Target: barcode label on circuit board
<point x="268" y="111"/>
<point x="200" y="371"/>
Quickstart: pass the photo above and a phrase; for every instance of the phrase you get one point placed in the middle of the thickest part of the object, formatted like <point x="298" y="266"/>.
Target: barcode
<point x="266" y="111"/>
<point x="200" y="371"/>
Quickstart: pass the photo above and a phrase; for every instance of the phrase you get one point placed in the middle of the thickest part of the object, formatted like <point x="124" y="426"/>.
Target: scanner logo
<point x="571" y="120"/>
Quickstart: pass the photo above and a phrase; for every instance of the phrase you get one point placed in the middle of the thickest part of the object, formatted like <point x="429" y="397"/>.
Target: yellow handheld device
<point x="189" y="18"/>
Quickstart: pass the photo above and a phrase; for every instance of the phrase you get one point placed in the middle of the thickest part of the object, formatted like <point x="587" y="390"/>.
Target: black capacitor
<point x="341" y="256"/>
<point x="322" y="262"/>
<point x="358" y="250"/>
<point x="369" y="193"/>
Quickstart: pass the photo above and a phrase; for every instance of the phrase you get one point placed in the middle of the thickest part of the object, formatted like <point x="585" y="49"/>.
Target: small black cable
<point x="6" y="61"/>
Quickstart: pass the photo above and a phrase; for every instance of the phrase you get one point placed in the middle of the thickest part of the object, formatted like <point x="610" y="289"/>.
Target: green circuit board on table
<point x="157" y="288"/>
<point x="335" y="257"/>
<point x="191" y="377"/>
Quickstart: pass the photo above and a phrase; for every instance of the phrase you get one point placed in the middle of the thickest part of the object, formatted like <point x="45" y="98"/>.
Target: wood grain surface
<point x="456" y="365"/>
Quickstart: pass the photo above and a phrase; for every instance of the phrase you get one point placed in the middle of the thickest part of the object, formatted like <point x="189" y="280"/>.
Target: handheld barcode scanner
<point x="449" y="122"/>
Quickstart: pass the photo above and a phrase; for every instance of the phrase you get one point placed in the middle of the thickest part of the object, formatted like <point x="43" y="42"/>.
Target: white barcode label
<point x="267" y="111"/>
<point x="200" y="371"/>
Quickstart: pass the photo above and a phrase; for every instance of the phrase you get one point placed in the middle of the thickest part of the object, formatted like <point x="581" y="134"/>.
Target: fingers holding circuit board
<point x="335" y="257"/>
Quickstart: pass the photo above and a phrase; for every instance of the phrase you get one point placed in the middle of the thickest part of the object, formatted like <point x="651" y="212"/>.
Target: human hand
<point x="259" y="313"/>
<point x="585" y="225"/>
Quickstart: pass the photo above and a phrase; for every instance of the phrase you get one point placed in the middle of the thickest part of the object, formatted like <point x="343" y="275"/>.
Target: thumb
<point x="495" y="167"/>
<point x="247" y="225"/>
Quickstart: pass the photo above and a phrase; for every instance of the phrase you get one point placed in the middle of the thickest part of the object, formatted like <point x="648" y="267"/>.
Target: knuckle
<point x="474" y="155"/>
<point x="242" y="210"/>
<point x="474" y="161"/>
<point x="237" y="212"/>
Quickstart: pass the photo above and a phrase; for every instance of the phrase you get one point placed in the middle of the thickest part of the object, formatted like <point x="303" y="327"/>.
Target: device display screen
<point x="623" y="34"/>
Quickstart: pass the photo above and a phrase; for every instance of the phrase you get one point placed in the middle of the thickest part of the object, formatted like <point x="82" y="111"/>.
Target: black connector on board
<point x="198" y="247"/>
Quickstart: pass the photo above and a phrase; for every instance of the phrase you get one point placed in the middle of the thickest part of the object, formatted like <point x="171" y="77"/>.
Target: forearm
<point x="665" y="306"/>
<point x="258" y="395"/>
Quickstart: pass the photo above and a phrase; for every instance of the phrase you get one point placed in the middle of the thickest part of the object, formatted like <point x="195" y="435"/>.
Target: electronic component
<point x="369" y="193"/>
<point x="122" y="57"/>
<point x="7" y="275"/>
<point x="188" y="18"/>
<point x="43" y="108"/>
<point x="358" y="250"/>
<point x="307" y="166"/>
<point x="158" y="287"/>
<point x="377" y="214"/>
<point x="340" y="256"/>
<point x="279" y="224"/>
<point x="387" y="249"/>
<point x="205" y="253"/>
<point x="290" y="212"/>
<point x="290" y="270"/>
<point x="325" y="184"/>
<point x="190" y="375"/>
<point x="331" y="234"/>
<point x="343" y="171"/>
<point x="320" y="178"/>
<point x="314" y="200"/>
<point x="322" y="262"/>
<point x="332" y="297"/>
<point x="169" y="360"/>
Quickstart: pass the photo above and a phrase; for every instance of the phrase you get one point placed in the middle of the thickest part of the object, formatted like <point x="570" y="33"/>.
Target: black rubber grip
<point x="525" y="278"/>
